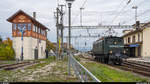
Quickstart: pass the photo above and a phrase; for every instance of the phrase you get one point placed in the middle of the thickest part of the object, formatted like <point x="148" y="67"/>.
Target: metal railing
<point x="81" y="72"/>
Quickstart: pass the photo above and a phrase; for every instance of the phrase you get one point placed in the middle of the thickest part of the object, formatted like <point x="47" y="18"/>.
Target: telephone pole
<point x="60" y="27"/>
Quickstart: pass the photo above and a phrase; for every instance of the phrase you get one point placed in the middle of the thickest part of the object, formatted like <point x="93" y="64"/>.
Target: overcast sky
<point x="95" y="11"/>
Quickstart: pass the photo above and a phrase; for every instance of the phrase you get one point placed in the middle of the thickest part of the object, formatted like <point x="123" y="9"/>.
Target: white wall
<point x="146" y="42"/>
<point x="29" y="44"/>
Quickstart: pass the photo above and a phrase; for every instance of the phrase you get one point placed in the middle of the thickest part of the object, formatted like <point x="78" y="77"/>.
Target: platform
<point x="142" y="60"/>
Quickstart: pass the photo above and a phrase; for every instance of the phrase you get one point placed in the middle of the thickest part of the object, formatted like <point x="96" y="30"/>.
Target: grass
<point x="8" y="76"/>
<point x="77" y="58"/>
<point x="57" y="73"/>
<point x="107" y="74"/>
<point x="45" y="62"/>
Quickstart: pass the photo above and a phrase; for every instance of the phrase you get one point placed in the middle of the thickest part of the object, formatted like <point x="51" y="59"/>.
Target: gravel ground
<point x="55" y="71"/>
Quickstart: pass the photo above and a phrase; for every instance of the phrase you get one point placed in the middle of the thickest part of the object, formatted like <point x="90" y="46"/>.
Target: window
<point x="29" y="26"/>
<point x="44" y="33"/>
<point x="128" y="39"/>
<point x="34" y="28"/>
<point x="133" y="39"/>
<point x="14" y="26"/>
<point x="22" y="26"/>
<point x="39" y="30"/>
<point x="139" y="37"/>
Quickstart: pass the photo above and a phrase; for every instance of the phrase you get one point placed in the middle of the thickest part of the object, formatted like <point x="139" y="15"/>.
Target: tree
<point x="1" y="39"/>
<point x="6" y="50"/>
<point x="8" y="42"/>
<point x="50" y="46"/>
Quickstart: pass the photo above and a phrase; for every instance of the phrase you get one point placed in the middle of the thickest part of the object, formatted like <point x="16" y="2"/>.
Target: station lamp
<point x="69" y="2"/>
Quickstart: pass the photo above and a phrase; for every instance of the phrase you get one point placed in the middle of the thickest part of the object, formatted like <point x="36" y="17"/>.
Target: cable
<point x="119" y="13"/>
<point x="79" y="12"/>
<point x="138" y="15"/>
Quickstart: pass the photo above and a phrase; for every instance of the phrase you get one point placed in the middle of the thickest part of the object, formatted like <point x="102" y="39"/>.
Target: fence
<point x="81" y="72"/>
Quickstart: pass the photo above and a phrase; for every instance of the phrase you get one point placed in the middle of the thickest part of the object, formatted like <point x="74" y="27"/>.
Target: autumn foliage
<point x="6" y="50"/>
<point x="50" y="46"/>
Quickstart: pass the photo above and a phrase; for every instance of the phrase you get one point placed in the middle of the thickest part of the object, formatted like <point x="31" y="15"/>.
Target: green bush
<point x="6" y="52"/>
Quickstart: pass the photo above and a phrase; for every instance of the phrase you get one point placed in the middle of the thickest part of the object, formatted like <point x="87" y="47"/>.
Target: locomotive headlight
<point x="115" y="42"/>
<point x="110" y="52"/>
<point x="124" y="52"/>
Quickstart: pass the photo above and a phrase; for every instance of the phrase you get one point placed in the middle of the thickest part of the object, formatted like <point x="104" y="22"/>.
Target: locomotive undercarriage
<point x="108" y="59"/>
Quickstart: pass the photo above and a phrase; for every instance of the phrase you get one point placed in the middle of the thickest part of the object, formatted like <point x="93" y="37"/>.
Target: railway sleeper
<point x="138" y="63"/>
<point x="138" y="67"/>
<point x="145" y="73"/>
<point x="15" y="66"/>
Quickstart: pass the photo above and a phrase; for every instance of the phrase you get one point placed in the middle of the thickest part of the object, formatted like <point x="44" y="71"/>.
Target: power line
<point x="79" y="12"/>
<point x="83" y="3"/>
<point x="119" y="13"/>
<point x="138" y="15"/>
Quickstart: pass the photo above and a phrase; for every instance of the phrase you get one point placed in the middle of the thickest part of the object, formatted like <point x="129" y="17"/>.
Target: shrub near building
<point x="6" y="50"/>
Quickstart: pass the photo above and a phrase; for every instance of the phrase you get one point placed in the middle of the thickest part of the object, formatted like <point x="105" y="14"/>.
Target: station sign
<point x="134" y="45"/>
<point x="116" y="46"/>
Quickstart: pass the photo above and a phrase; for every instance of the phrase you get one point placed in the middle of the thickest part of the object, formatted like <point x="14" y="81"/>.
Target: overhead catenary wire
<point x="132" y="18"/>
<point x="123" y="8"/>
<point x="79" y="12"/>
<point x="145" y="12"/>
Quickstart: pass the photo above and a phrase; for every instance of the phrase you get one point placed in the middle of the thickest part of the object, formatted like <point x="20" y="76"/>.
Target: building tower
<point x="31" y="43"/>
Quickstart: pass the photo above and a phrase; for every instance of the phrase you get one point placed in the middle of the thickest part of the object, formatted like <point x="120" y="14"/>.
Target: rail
<point x="81" y="72"/>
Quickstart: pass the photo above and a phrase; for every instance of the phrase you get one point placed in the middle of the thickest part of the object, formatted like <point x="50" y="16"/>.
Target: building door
<point x="132" y="52"/>
<point x="139" y="51"/>
<point x="36" y="54"/>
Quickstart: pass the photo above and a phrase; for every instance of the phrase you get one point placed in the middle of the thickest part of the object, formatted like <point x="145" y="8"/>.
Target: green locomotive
<point x="109" y="50"/>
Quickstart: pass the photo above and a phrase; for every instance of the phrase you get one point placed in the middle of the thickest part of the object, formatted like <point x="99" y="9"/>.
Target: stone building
<point x="138" y="40"/>
<point x="33" y="43"/>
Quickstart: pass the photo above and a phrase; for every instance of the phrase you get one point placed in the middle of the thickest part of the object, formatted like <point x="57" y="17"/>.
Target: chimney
<point x="137" y="24"/>
<point x="34" y="15"/>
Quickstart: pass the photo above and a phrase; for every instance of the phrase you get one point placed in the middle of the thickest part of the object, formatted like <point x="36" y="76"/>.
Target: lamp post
<point x="69" y="2"/>
<point x="135" y="7"/>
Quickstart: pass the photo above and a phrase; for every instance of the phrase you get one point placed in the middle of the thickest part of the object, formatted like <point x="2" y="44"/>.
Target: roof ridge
<point x="33" y="19"/>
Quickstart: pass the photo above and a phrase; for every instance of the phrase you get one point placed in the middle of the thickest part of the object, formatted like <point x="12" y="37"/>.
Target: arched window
<point x="133" y="39"/>
<point x="128" y="39"/>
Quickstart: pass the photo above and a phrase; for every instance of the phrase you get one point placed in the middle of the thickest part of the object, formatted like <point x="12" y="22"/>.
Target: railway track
<point x="14" y="66"/>
<point x="142" y="69"/>
<point x="133" y="66"/>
